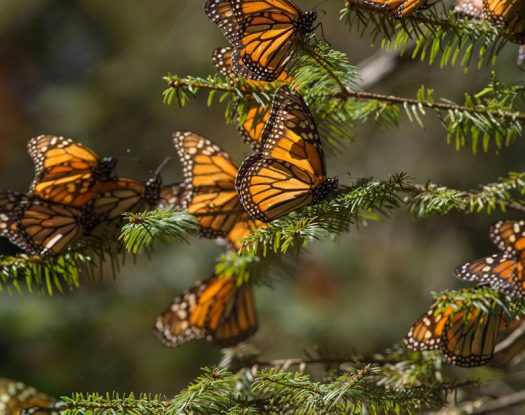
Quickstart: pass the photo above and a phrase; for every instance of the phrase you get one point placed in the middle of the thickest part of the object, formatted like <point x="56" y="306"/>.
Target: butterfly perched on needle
<point x="466" y="336"/>
<point x="251" y="125"/>
<point x="264" y="34"/>
<point x="289" y="172"/>
<point x="216" y="309"/>
<point x="209" y="189"/>
<point x="505" y="271"/>
<point x="37" y="226"/>
<point x="509" y="15"/>
<point x="398" y="8"/>
<point x="66" y="171"/>
<point x="16" y="398"/>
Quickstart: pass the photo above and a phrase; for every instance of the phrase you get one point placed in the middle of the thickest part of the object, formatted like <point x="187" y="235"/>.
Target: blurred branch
<point x="500" y="404"/>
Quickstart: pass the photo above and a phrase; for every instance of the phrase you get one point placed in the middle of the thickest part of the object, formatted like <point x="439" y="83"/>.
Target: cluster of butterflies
<point x="468" y="336"/>
<point x="17" y="398"/>
<point x="287" y="173"/>
<point x="74" y="195"/>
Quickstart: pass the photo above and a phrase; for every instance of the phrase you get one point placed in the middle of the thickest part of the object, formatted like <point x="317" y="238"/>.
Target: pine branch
<point x="437" y="32"/>
<point x="488" y="118"/>
<point x="221" y="392"/>
<point x="507" y="194"/>
<point x="49" y="274"/>
<point x="166" y="225"/>
<point x="366" y="200"/>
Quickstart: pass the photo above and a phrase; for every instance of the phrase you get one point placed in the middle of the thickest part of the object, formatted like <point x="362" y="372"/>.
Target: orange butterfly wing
<point x="37" y="226"/>
<point x="509" y="236"/>
<point x="509" y="15"/>
<point x="216" y="309"/>
<point x="65" y="170"/>
<point x="16" y="397"/>
<point x="503" y="272"/>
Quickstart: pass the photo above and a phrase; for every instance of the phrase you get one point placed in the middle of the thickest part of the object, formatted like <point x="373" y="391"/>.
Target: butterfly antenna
<point x="162" y="165"/>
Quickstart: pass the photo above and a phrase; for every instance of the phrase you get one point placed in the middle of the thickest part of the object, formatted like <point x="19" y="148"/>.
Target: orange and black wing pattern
<point x="505" y="272"/>
<point x="509" y="236"/>
<point x="289" y="172"/>
<point x="509" y="15"/>
<point x="171" y="196"/>
<point x="251" y="124"/>
<point x="209" y="176"/>
<point x="217" y="310"/>
<point x="39" y="227"/>
<point x="115" y="197"/>
<point x="398" y="8"/>
<point x="264" y="34"/>
<point x="466" y="337"/>
<point x="65" y="170"/>
<point x="17" y="398"/>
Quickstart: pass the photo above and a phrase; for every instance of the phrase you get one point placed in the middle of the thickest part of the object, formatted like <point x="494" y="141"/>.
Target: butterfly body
<point x="289" y="172"/>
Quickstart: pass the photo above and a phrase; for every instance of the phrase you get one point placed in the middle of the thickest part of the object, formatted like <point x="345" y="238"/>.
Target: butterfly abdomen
<point x="321" y="191"/>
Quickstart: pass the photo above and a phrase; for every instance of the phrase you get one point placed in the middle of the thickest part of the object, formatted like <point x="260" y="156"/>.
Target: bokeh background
<point x="92" y="70"/>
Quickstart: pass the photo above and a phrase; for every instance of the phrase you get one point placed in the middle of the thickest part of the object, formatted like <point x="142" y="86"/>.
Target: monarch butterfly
<point x="216" y="309"/>
<point x="289" y="172"/>
<point x="510" y="15"/>
<point x="250" y="128"/>
<point x="264" y="34"/>
<point x="466" y="337"/>
<point x="505" y="271"/>
<point x="65" y="170"/>
<point x="398" y="8"/>
<point x="469" y="8"/>
<point x="210" y="195"/>
<point x="17" y="398"/>
<point x="113" y="198"/>
<point x="37" y="226"/>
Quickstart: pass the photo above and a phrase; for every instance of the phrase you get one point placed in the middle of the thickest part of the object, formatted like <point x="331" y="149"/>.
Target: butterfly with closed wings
<point x="209" y="190"/>
<point x="216" y="309"/>
<point x="466" y="336"/>
<point x="264" y="34"/>
<point x="505" y="271"/>
<point x="289" y="172"/>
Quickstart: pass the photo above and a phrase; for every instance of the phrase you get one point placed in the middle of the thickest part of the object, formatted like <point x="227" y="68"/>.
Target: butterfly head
<point x="306" y="22"/>
<point x="324" y="189"/>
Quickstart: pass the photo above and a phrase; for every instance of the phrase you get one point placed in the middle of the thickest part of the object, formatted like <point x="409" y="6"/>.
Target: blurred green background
<point x="92" y="70"/>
